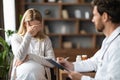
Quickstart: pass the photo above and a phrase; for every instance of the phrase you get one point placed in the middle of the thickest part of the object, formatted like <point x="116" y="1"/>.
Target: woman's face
<point x="34" y="27"/>
<point x="37" y="24"/>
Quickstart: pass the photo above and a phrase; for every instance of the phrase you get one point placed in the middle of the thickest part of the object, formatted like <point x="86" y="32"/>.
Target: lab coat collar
<point x="114" y="34"/>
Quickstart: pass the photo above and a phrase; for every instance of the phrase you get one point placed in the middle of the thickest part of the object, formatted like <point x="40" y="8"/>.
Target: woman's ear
<point x="26" y="24"/>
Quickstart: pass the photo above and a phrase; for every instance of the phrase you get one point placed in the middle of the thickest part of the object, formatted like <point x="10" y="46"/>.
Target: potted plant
<point x="5" y="57"/>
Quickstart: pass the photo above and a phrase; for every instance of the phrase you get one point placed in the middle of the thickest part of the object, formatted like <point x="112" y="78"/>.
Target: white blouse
<point x="38" y="51"/>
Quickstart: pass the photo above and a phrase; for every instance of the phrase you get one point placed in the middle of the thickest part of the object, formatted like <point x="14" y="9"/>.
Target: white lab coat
<point x="36" y="66"/>
<point x="106" y="61"/>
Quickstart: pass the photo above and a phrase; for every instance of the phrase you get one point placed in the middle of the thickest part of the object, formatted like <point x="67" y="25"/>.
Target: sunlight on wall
<point x="9" y="15"/>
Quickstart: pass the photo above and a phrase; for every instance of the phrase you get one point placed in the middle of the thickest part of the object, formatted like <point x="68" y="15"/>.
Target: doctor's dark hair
<point x="111" y="7"/>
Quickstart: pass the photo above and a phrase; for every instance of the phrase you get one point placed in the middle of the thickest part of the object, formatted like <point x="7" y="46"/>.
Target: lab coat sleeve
<point x="87" y="78"/>
<point x="87" y="65"/>
<point x="114" y="65"/>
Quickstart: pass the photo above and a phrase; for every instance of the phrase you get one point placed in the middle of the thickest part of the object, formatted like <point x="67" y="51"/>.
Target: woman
<point x="31" y="47"/>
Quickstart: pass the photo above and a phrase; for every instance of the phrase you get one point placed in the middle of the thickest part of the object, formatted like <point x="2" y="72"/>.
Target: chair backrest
<point x="10" y="70"/>
<point x="53" y="75"/>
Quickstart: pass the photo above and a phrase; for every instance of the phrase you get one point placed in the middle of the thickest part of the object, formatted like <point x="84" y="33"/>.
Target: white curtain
<point x="9" y="16"/>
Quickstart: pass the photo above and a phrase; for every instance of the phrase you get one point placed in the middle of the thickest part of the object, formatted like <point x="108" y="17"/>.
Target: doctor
<point x="106" y="61"/>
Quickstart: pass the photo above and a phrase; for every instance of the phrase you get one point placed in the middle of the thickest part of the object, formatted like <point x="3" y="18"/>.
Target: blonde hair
<point x="30" y="15"/>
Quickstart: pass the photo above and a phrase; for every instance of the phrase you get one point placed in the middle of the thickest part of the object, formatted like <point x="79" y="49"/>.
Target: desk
<point x="63" y="75"/>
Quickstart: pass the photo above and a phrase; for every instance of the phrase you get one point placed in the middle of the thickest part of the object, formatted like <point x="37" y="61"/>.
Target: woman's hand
<point x="65" y="63"/>
<point x="75" y="75"/>
<point x="18" y="62"/>
<point x="33" y="29"/>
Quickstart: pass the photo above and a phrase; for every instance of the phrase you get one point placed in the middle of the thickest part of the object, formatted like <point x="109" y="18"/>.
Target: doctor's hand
<point x="65" y="63"/>
<point x="75" y="75"/>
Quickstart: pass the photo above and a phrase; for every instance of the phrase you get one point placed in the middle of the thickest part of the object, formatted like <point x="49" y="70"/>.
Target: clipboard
<point x="57" y="64"/>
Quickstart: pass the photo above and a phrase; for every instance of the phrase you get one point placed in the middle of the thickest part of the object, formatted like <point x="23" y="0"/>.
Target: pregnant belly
<point x="30" y="67"/>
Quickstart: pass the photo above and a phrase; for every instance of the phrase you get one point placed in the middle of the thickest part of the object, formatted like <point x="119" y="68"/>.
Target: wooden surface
<point x="63" y="75"/>
<point x="72" y="53"/>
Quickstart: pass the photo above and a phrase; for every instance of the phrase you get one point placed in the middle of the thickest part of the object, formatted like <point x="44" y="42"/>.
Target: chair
<point x="53" y="75"/>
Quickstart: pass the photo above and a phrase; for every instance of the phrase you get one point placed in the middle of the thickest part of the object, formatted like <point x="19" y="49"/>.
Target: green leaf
<point x="5" y="57"/>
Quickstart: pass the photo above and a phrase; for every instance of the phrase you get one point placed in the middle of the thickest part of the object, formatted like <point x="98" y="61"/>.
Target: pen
<point x="67" y="58"/>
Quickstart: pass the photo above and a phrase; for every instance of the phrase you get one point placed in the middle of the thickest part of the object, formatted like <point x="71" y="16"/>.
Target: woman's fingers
<point x="18" y="62"/>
